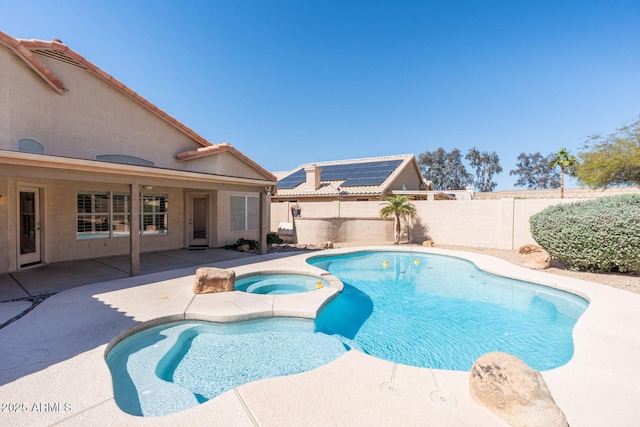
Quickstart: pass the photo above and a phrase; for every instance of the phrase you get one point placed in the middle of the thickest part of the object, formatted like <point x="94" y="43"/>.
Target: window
<point x="154" y="214"/>
<point x="28" y="145"/>
<point x="107" y="215"/>
<point x="244" y="213"/>
<point x="121" y="158"/>
<point x="102" y="215"/>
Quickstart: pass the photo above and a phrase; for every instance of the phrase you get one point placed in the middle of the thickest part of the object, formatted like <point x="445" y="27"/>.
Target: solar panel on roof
<point x="293" y="180"/>
<point x="354" y="174"/>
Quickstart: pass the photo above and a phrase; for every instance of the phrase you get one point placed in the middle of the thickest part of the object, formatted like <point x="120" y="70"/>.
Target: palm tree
<point x="565" y="160"/>
<point x="400" y="208"/>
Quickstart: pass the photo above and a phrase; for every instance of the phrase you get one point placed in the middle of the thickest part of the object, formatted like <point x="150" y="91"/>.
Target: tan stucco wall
<point x="59" y="218"/>
<point x="89" y="119"/>
<point x="224" y="163"/>
<point x="5" y="224"/>
<point x="364" y="231"/>
<point x="408" y="176"/>
<point x="93" y="118"/>
<point x="225" y="235"/>
<point x="500" y="223"/>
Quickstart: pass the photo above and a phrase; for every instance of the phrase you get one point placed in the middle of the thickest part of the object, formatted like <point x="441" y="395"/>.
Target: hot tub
<point x="274" y="284"/>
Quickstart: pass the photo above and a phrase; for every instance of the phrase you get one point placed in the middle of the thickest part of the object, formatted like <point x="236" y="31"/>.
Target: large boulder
<point x="210" y="280"/>
<point x="514" y="392"/>
<point x="537" y="261"/>
<point x="535" y="257"/>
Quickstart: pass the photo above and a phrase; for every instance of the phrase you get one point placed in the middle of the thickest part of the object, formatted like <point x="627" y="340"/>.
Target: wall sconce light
<point x="267" y="190"/>
<point x="148" y="187"/>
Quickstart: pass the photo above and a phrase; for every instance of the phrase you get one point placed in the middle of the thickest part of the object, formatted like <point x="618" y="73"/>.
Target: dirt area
<point x="627" y="282"/>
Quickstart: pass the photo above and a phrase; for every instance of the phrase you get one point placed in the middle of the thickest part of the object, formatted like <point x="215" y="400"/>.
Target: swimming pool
<point x="418" y="309"/>
<point x="442" y="312"/>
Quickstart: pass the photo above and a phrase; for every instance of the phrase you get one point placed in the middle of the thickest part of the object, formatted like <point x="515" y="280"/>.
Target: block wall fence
<point x="498" y="223"/>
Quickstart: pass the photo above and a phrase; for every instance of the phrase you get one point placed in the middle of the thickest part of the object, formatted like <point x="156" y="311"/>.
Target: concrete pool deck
<point x="53" y="371"/>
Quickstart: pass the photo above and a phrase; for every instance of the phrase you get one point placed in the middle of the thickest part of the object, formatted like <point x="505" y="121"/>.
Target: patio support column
<point x="265" y="207"/>
<point x="134" y="229"/>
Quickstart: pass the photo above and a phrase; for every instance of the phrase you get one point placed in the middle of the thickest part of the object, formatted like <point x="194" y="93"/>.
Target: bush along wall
<point x="599" y="235"/>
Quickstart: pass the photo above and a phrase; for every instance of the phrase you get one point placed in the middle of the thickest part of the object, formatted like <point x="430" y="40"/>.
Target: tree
<point x="534" y="172"/>
<point x="610" y="160"/>
<point x="444" y="169"/>
<point x="400" y="207"/>
<point x="486" y="165"/>
<point x="567" y="164"/>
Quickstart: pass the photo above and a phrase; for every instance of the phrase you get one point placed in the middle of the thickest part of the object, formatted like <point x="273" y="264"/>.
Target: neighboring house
<point x="352" y="180"/>
<point x="89" y="168"/>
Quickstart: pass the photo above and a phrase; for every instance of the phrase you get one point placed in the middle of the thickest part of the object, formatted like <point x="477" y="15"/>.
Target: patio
<point x="52" y="359"/>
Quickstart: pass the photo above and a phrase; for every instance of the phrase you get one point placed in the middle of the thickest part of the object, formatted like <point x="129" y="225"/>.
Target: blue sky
<point x="291" y="82"/>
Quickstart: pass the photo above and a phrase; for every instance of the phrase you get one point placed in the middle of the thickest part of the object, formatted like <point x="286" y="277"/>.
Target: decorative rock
<point x="244" y="248"/>
<point x="210" y="280"/>
<point x="527" y="249"/>
<point x="537" y="260"/>
<point x="325" y="245"/>
<point x="514" y="392"/>
<point x="427" y="243"/>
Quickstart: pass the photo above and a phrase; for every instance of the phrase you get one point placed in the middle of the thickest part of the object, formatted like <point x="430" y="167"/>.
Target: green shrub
<point x="253" y="244"/>
<point x="273" y="237"/>
<point x="596" y="235"/>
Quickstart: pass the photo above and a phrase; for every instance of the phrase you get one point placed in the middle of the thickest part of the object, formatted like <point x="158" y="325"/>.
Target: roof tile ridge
<point x="32" y="61"/>
<point x="200" y="151"/>
<point x="221" y="147"/>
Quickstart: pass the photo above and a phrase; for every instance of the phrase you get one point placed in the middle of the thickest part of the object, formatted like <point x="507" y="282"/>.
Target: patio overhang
<point x="44" y="166"/>
<point x="119" y="171"/>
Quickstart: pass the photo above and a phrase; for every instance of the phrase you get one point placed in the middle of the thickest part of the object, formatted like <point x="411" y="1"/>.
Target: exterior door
<point x="198" y="220"/>
<point x="29" y="229"/>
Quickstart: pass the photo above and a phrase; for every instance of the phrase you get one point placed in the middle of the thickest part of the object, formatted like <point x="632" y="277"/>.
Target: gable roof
<point x="27" y="50"/>
<point x="32" y="61"/>
<point x="365" y="176"/>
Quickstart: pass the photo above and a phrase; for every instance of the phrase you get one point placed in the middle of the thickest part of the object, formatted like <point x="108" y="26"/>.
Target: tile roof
<point x="219" y="148"/>
<point x="32" y="61"/>
<point x="340" y="176"/>
<point x="27" y="49"/>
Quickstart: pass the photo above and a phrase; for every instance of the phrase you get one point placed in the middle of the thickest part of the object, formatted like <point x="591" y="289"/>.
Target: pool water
<point x="421" y="310"/>
<point x="442" y="312"/>
<point x="173" y="367"/>
<point x="277" y="284"/>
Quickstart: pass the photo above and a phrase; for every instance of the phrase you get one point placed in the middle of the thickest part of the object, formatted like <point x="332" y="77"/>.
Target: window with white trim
<point x="108" y="214"/>
<point x="154" y="214"/>
<point x="244" y="213"/>
<point x="102" y="215"/>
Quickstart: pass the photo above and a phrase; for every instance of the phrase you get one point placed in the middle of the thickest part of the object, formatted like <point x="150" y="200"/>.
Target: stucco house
<point x="363" y="179"/>
<point x="89" y="168"/>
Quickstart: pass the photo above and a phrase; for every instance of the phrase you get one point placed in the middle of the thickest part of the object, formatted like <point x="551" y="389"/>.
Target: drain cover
<point x="391" y="388"/>
<point x="443" y="398"/>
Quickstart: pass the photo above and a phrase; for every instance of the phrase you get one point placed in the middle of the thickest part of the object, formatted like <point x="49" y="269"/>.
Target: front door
<point x="29" y="212"/>
<point x="198" y="223"/>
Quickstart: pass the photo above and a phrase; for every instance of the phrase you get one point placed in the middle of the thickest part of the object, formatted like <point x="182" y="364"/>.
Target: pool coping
<point x="356" y="389"/>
